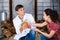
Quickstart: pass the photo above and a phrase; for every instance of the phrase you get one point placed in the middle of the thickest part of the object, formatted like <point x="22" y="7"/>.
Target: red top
<point x="55" y="27"/>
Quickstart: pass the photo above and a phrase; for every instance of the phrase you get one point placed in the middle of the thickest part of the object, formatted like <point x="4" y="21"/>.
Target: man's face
<point x="21" y="11"/>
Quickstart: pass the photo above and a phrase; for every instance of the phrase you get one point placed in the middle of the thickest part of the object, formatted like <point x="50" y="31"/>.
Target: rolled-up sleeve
<point x="32" y="21"/>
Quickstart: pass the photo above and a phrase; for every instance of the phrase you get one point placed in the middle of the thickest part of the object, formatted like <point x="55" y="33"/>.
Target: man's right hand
<point x="21" y="29"/>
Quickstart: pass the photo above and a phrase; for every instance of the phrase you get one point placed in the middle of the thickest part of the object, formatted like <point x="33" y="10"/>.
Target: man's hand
<point x="21" y="28"/>
<point x="24" y="25"/>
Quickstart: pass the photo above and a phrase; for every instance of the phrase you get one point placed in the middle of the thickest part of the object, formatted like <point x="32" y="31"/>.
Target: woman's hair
<point x="52" y="13"/>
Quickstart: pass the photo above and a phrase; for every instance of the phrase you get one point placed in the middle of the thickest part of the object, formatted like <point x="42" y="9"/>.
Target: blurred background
<point x="34" y="7"/>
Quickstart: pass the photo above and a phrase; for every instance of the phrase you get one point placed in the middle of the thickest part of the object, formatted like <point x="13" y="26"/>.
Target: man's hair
<point x="18" y="7"/>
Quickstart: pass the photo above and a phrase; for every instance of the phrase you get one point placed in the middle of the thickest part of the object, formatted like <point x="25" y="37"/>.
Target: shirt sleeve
<point x="32" y="21"/>
<point x="16" y="25"/>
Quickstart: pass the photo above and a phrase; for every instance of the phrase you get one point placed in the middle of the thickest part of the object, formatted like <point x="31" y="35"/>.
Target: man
<point x="27" y="33"/>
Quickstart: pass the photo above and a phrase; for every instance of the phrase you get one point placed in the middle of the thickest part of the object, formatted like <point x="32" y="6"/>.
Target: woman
<point x="51" y="20"/>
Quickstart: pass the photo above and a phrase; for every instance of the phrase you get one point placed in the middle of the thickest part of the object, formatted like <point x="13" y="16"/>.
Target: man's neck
<point x="21" y="16"/>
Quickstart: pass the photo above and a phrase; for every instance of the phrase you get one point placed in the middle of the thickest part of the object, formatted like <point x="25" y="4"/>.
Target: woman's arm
<point x="39" y="24"/>
<point x="52" y="32"/>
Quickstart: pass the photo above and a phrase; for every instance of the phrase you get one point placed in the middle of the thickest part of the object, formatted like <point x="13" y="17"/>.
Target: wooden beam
<point x="35" y="11"/>
<point x="10" y="10"/>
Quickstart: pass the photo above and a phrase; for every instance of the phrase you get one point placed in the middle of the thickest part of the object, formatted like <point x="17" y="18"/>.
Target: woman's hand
<point x="32" y="24"/>
<point x="50" y="35"/>
<point x="37" y="30"/>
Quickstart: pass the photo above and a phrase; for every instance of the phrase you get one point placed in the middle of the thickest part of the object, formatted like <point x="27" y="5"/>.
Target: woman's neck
<point x="49" y="20"/>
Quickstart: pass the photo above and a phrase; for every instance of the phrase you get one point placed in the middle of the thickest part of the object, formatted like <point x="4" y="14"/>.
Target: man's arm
<point x="32" y="21"/>
<point x="16" y="25"/>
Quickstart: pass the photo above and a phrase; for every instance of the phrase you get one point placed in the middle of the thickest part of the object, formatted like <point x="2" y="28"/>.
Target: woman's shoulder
<point x="55" y="25"/>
